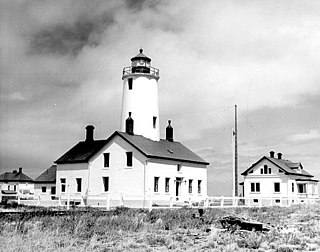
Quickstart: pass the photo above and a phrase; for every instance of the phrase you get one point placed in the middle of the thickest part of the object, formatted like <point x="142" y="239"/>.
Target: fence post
<point x="150" y="203"/>
<point x="236" y="199"/>
<point x="171" y="202"/>
<point x="59" y="197"/>
<point x="82" y="201"/>
<point x="108" y="202"/>
<point x="38" y="203"/>
<point x="19" y="199"/>
<point x="68" y="199"/>
<point x="249" y="202"/>
<point x="121" y="200"/>
<point x="222" y="201"/>
<point x="190" y="202"/>
<point x="206" y="203"/>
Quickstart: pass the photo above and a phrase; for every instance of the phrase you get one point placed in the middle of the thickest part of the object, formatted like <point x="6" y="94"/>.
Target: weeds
<point x="124" y="229"/>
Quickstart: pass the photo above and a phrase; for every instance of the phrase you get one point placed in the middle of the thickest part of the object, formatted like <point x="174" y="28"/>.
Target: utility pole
<point x="235" y="134"/>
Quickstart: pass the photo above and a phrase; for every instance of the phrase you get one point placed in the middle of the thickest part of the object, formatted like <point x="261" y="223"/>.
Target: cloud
<point x="308" y="136"/>
<point x="70" y="39"/>
<point x="61" y="69"/>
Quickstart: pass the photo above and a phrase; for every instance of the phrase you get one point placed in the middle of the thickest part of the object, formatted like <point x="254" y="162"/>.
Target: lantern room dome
<point x="141" y="56"/>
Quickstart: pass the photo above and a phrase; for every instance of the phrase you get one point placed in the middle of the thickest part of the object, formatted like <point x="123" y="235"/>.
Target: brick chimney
<point x="169" y="132"/>
<point x="272" y="154"/>
<point x="279" y="155"/>
<point x="89" y="133"/>
<point x="20" y="169"/>
<point x="129" y="125"/>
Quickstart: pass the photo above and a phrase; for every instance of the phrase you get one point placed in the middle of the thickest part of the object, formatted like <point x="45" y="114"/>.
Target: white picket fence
<point x="151" y="201"/>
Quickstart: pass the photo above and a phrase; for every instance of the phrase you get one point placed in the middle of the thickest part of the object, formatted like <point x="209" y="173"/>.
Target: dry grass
<point x="293" y="229"/>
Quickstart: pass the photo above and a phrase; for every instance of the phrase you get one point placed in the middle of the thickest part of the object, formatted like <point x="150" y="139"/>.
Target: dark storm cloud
<point x="69" y="39"/>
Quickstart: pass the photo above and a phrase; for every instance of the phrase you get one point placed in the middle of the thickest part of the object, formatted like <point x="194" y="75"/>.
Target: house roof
<point x="15" y="176"/>
<point x="82" y="152"/>
<point x="285" y="165"/>
<point x="48" y="176"/>
<point x="163" y="149"/>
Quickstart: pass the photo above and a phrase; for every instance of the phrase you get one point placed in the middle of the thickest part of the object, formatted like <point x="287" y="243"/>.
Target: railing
<point x="109" y="201"/>
<point x="140" y="70"/>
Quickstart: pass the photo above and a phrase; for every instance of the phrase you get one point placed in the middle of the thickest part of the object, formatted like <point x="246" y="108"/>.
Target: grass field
<point x="292" y="229"/>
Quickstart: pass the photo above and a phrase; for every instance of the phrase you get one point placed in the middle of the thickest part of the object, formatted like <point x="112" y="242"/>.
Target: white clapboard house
<point x="280" y="179"/>
<point x="133" y="163"/>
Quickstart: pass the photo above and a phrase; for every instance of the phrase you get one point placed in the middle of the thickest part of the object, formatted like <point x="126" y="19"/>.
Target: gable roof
<point x="16" y="176"/>
<point x="48" y="176"/>
<point x="82" y="152"/>
<point x="163" y="149"/>
<point x="285" y="165"/>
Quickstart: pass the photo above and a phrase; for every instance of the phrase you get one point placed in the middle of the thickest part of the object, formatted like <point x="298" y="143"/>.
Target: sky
<point x="61" y="68"/>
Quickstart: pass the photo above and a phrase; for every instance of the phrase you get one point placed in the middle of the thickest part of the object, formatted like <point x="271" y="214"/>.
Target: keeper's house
<point x="285" y="181"/>
<point x="16" y="182"/>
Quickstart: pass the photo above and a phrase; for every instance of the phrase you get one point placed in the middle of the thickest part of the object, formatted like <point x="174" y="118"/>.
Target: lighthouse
<point x="140" y="106"/>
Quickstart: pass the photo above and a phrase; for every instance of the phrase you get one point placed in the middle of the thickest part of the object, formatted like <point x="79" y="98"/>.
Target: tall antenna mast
<point x="235" y="172"/>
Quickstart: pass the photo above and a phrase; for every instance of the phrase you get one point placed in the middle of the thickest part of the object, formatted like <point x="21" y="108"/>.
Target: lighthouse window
<point x="154" y="122"/>
<point x="130" y="80"/>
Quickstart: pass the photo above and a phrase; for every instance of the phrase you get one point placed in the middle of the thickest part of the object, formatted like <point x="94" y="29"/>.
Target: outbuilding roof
<point x="48" y="176"/>
<point x="163" y="149"/>
<point x="15" y="176"/>
<point x="285" y="165"/>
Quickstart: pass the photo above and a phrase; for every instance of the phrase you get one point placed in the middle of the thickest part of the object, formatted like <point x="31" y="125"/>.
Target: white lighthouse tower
<point x="140" y="107"/>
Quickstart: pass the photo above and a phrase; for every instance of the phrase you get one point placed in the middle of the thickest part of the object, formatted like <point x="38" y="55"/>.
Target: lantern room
<point x="140" y="64"/>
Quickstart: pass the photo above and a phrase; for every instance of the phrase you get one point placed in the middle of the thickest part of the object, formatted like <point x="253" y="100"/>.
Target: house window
<point x="130" y="80"/>
<point x="43" y="189"/>
<point x="292" y="187"/>
<point x="265" y="169"/>
<point x="178" y="167"/>
<point x="14" y="188"/>
<point x="276" y="187"/>
<point x="63" y="184"/>
<point x="105" y="184"/>
<point x="261" y="171"/>
<point x="79" y="183"/>
<point x="280" y="171"/>
<point x="167" y="185"/>
<point x="156" y="184"/>
<point x="106" y="157"/>
<point x="269" y="170"/>
<point x="199" y="186"/>
<point x="251" y="171"/>
<point x="154" y="122"/>
<point x="255" y="187"/>
<point x="302" y="188"/>
<point x="129" y="158"/>
<point x="190" y="185"/>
